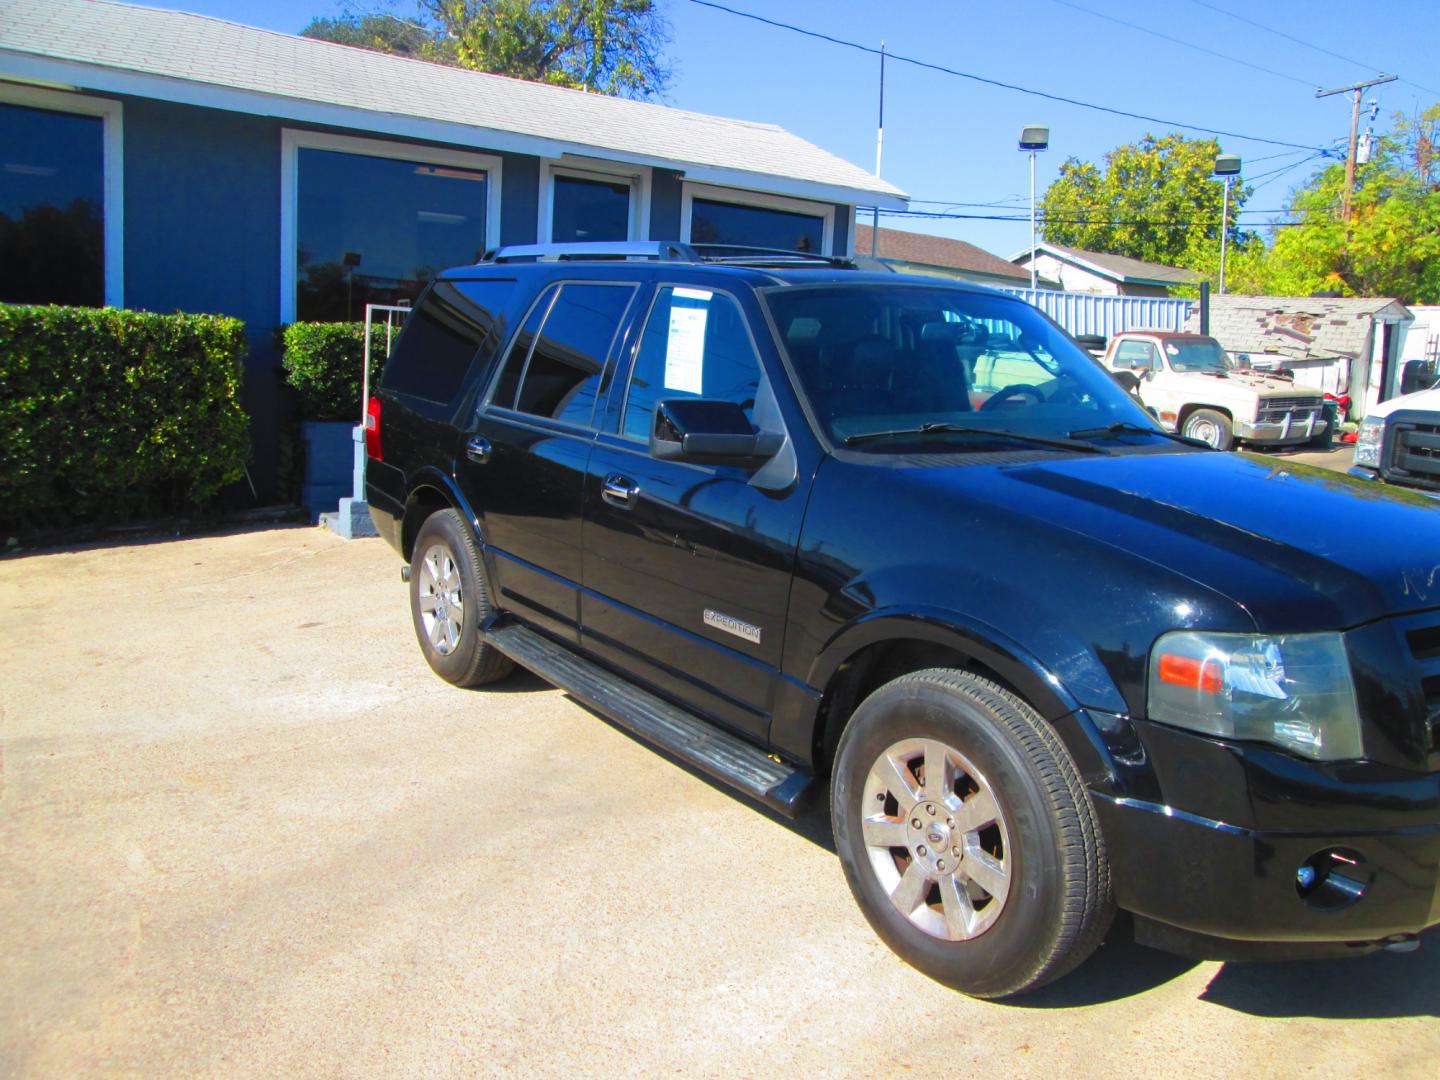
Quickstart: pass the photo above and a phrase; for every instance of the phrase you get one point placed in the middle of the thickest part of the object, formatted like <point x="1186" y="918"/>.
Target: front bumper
<point x="1290" y="430"/>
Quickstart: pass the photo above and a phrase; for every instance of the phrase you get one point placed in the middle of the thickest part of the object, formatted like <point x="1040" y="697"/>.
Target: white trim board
<point x="293" y="140"/>
<point x="112" y="115"/>
<point x="689" y="192"/>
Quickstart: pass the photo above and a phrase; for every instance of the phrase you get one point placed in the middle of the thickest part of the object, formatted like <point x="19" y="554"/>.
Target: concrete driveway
<point x="245" y="832"/>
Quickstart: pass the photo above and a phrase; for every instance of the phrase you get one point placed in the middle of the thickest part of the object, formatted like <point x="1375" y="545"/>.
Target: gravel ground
<point x="245" y="832"/>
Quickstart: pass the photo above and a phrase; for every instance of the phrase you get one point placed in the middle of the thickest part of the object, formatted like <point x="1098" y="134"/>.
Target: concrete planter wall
<point x="329" y="460"/>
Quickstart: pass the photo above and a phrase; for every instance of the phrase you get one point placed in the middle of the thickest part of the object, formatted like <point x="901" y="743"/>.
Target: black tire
<point x="1210" y="426"/>
<point x="446" y="574"/>
<point x="1044" y="843"/>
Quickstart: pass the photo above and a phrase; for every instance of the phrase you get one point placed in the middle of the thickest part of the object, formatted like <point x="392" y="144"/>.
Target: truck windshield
<point x="879" y="364"/>
<point x="1197" y="356"/>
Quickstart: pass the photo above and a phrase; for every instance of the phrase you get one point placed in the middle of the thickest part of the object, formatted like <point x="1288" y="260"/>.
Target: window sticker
<point x="1172" y="350"/>
<point x="685" y="349"/>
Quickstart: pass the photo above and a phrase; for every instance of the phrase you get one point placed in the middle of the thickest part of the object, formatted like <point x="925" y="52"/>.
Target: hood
<point x="1420" y="401"/>
<point x="1299" y="548"/>
<point x="1249" y="382"/>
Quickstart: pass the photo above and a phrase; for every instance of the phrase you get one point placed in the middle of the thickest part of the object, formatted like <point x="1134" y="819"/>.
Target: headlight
<point x="1293" y="691"/>
<point x="1367" y="443"/>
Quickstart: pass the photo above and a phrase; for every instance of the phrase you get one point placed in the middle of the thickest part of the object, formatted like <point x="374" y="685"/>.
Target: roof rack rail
<point x="783" y="258"/>
<point x="656" y="250"/>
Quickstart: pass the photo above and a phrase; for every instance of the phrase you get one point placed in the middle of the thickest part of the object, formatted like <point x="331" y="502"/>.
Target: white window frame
<point x="112" y="168"/>
<point x="638" y="177"/>
<point x="824" y="211"/>
<point x="293" y="140"/>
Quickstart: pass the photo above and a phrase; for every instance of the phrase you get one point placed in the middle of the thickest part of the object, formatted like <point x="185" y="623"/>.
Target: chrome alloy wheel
<point x="442" y="607"/>
<point x="937" y="839"/>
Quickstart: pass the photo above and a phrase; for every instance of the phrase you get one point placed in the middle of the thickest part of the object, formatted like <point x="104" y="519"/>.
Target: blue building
<point x="171" y="162"/>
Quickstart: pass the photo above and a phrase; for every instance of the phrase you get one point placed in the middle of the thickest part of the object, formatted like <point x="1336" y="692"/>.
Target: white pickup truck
<point x="1189" y="383"/>
<point x="1400" y="441"/>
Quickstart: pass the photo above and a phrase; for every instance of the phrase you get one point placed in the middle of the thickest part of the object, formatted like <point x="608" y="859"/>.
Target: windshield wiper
<point x="1125" y="428"/>
<point x="961" y="429"/>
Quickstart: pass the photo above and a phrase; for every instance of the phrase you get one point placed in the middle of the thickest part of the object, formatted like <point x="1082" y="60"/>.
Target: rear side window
<point x="456" y="320"/>
<point x="696" y="345"/>
<point x="560" y="376"/>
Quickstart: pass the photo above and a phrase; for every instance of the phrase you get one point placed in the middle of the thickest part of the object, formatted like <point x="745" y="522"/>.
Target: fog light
<point x="1332" y="879"/>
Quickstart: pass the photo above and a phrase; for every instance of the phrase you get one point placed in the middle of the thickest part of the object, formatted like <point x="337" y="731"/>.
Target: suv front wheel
<point x="449" y="602"/>
<point x="966" y="834"/>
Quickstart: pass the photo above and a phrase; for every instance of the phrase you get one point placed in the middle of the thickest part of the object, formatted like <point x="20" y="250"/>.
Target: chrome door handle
<point x="619" y="490"/>
<point x="477" y="449"/>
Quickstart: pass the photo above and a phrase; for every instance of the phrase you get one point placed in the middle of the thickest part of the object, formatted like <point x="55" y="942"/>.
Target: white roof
<point x="121" y="48"/>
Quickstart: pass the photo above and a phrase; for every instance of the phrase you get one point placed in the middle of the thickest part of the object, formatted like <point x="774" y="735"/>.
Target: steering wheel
<point x="1014" y="390"/>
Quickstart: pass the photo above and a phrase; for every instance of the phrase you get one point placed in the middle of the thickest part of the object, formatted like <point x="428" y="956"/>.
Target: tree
<point x="1390" y="246"/>
<point x="608" y="46"/>
<point x="1155" y="199"/>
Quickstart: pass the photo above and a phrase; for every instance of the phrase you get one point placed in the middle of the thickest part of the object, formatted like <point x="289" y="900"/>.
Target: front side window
<point x="52" y="197"/>
<point x="696" y="345"/>
<point x="713" y="222"/>
<point x="584" y="209"/>
<point x="1137" y="355"/>
<point x="374" y="230"/>
<point x="894" y="368"/>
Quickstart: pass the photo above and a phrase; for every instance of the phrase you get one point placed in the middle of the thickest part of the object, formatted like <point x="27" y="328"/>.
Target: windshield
<point x="879" y="362"/>
<point x="1202" y="355"/>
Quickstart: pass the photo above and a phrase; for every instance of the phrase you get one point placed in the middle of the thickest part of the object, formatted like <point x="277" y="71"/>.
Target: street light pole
<point x="1228" y="166"/>
<point x="1034" y="139"/>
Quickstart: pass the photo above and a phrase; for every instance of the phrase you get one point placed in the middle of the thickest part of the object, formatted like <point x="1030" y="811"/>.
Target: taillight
<point x="372" y="430"/>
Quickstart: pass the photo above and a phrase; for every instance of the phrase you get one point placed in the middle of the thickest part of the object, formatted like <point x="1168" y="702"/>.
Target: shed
<point x="1338" y="344"/>
<point x="1080" y="271"/>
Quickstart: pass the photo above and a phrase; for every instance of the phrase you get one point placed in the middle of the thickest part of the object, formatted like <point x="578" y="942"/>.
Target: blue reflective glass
<point x="375" y="230"/>
<point x="590" y="210"/>
<point x="52" y="197"/>
<point x="755" y="226"/>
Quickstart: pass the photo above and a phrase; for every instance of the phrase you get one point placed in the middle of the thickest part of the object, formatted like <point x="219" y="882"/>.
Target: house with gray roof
<point x="167" y="161"/>
<point x="1343" y="345"/>
<point x="1074" y="270"/>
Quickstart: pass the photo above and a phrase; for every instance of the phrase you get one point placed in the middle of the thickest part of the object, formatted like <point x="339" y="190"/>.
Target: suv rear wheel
<point x="966" y="834"/>
<point x="449" y="602"/>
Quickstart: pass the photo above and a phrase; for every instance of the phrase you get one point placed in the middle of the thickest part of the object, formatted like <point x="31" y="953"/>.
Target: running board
<point x="716" y="753"/>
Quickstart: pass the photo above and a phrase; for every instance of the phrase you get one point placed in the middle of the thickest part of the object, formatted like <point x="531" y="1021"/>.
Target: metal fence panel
<point x="1104" y="316"/>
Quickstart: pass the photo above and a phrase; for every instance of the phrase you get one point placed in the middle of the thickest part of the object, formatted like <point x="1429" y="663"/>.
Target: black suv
<point x="790" y="520"/>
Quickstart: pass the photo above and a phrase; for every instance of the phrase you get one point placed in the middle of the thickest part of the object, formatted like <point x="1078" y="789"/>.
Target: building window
<point x="585" y="209"/>
<point x="59" y="186"/>
<point x="369" y="222"/>
<point x="742" y="219"/>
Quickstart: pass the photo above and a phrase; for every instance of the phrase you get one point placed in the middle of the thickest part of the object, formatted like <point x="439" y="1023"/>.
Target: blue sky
<point x="950" y="140"/>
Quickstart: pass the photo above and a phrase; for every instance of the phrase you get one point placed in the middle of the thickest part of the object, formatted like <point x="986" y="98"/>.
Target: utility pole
<point x="1355" y="90"/>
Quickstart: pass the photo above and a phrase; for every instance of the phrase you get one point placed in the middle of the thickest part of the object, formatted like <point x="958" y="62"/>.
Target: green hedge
<point x="109" y="415"/>
<point x="322" y="363"/>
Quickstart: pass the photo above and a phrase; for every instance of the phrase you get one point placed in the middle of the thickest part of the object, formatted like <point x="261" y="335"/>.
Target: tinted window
<point x="1135" y="354"/>
<point x="375" y="230"/>
<point x="563" y="375"/>
<point x="590" y="210"/>
<point x="755" y="226"/>
<point x="695" y="345"/>
<point x="878" y="362"/>
<point x="520" y="350"/>
<point x="442" y="336"/>
<point x="52" y="191"/>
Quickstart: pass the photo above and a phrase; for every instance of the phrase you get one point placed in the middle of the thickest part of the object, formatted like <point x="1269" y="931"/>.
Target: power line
<point x="1306" y="44"/>
<point x="896" y="57"/>
<point x="1157" y="222"/>
<point x="1181" y="42"/>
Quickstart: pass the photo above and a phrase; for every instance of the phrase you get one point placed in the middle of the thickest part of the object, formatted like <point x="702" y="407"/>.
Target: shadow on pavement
<point x="1118" y="969"/>
<point x="1377" y="986"/>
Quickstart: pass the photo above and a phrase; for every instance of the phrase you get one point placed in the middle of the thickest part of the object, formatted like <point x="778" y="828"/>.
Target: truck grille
<point x="1412" y="451"/>
<point x="1274" y="410"/>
